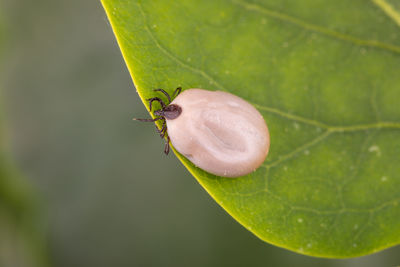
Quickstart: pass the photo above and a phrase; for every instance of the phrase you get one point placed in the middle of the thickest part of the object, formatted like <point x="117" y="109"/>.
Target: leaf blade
<point x="320" y="90"/>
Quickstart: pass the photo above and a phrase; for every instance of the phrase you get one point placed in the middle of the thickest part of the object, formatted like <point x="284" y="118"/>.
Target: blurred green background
<point x="103" y="192"/>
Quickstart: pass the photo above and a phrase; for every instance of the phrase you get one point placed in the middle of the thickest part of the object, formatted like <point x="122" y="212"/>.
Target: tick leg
<point x="148" y="120"/>
<point x="165" y="93"/>
<point x="156" y="99"/>
<point x="177" y="91"/>
<point x="166" y="147"/>
<point x="163" y="132"/>
<point x="163" y="127"/>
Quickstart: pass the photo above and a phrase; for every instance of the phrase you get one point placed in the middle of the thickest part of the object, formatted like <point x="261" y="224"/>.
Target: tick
<point x="217" y="131"/>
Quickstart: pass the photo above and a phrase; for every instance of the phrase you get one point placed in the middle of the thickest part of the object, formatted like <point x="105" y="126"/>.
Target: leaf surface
<point x="325" y="76"/>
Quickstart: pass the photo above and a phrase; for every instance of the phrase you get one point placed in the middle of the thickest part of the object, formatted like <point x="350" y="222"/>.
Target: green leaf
<point x="325" y="76"/>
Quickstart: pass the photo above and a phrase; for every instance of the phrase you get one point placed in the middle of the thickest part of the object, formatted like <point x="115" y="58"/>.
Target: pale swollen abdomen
<point x="219" y="132"/>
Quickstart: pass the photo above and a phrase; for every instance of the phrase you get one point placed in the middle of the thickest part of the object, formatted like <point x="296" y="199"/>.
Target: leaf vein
<point x="360" y="157"/>
<point x="363" y="229"/>
<point x="174" y="58"/>
<point x="318" y="29"/>
<point x="299" y="149"/>
<point x="333" y="128"/>
<point x="268" y="109"/>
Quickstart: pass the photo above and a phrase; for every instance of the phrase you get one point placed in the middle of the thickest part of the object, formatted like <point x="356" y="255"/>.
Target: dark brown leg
<point x="165" y="93"/>
<point x="166" y="147"/>
<point x="177" y="92"/>
<point x="163" y="132"/>
<point x="156" y="99"/>
<point x="163" y="128"/>
<point x="148" y="120"/>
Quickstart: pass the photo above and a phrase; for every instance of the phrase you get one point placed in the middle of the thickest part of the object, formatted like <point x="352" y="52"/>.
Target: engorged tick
<point x="217" y="131"/>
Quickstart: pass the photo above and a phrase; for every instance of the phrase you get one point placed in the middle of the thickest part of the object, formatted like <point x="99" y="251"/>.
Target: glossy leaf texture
<point x="325" y="76"/>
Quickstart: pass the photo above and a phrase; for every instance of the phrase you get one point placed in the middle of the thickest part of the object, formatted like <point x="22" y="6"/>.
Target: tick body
<point x="219" y="132"/>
